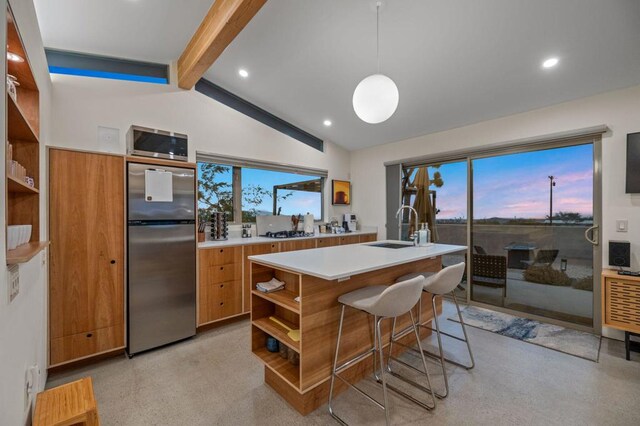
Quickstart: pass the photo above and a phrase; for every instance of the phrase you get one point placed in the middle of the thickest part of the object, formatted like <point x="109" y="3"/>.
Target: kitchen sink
<point x="391" y="245"/>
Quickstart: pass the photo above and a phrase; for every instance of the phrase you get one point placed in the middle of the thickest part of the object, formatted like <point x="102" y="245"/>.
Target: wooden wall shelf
<point x="15" y="185"/>
<point x="20" y="130"/>
<point x="25" y="252"/>
<point x="23" y="122"/>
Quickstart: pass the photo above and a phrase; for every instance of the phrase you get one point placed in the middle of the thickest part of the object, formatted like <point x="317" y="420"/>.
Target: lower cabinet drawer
<point x="68" y="348"/>
<point x="224" y="273"/>
<point x="224" y="300"/>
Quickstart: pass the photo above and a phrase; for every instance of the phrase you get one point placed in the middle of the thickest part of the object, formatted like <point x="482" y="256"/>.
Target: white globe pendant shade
<point x="375" y="98"/>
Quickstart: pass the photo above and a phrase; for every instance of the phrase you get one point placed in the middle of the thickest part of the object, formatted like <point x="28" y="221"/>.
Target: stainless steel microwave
<point x="157" y="144"/>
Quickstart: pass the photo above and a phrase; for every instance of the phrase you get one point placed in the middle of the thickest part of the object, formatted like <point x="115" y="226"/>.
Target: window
<point x="86" y="65"/>
<point x="246" y="192"/>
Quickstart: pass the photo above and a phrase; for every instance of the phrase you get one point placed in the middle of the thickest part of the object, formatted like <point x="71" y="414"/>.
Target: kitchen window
<point x="247" y="191"/>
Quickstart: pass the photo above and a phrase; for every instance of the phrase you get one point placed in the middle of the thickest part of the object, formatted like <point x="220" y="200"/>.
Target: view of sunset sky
<point x="517" y="185"/>
<point x="297" y="202"/>
<point x="506" y="186"/>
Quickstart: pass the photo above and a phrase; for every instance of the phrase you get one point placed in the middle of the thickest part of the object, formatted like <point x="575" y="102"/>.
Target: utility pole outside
<point x="552" y="183"/>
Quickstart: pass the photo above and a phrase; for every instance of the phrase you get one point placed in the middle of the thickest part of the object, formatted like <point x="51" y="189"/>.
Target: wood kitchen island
<point x="319" y="276"/>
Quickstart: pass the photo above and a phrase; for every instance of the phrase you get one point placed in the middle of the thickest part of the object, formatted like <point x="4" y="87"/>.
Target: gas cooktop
<point x="286" y="234"/>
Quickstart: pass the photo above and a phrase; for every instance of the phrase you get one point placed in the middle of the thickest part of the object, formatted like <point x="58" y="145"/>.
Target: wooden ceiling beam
<point x="223" y="23"/>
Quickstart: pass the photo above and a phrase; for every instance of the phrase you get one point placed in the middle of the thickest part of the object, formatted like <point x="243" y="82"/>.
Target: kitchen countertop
<point x="238" y="241"/>
<point x="337" y="262"/>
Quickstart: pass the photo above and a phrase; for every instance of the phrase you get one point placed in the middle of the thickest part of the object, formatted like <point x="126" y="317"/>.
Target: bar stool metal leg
<point x="428" y="389"/>
<point x="335" y="366"/>
<point x="465" y="339"/>
<point x="382" y="374"/>
<point x="375" y="352"/>
<point x="339" y="368"/>
<point x="440" y="349"/>
<point x="464" y="332"/>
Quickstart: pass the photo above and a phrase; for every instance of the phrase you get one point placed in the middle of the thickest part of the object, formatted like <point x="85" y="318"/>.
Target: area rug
<point x="561" y="339"/>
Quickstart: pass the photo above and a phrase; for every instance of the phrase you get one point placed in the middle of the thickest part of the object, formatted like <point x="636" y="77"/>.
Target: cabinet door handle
<point x="113" y="261"/>
<point x="89" y="334"/>
<point x="221" y="285"/>
<point x="221" y="303"/>
<point x="222" y="268"/>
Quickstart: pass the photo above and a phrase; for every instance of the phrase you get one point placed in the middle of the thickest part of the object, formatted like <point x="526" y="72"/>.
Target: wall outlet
<point x="13" y="281"/>
<point x="622" y="225"/>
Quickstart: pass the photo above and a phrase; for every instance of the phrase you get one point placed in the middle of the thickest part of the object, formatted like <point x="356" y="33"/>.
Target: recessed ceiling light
<point x="550" y="63"/>
<point x="14" y="57"/>
<point x="327" y="123"/>
<point x="243" y="73"/>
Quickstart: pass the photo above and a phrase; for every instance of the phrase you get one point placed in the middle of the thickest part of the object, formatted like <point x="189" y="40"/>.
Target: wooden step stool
<point x="69" y="404"/>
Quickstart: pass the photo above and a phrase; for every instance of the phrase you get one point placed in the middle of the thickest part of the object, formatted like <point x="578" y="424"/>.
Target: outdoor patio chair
<point x="489" y="271"/>
<point x="480" y="250"/>
<point x="543" y="257"/>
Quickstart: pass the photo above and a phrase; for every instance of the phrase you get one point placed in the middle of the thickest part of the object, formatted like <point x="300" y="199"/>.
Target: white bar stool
<point x="382" y="302"/>
<point x="441" y="283"/>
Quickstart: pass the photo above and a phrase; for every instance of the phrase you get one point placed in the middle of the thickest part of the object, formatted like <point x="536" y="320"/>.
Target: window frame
<point x="236" y="181"/>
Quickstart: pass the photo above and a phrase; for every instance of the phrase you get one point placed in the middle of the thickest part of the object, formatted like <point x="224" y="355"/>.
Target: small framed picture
<point x="340" y="192"/>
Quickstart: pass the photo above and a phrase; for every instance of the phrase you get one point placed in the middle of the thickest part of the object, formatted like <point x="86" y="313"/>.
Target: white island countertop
<point x="338" y="262"/>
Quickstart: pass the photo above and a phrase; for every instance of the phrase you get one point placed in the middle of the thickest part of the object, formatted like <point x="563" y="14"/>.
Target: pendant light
<point x="376" y="97"/>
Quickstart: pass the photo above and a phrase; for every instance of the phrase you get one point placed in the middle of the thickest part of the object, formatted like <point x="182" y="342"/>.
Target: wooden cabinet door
<point x="253" y="250"/>
<point x="368" y="238"/>
<point x="328" y="241"/>
<point x="292" y="245"/>
<point x="349" y="239"/>
<point x="86" y="228"/>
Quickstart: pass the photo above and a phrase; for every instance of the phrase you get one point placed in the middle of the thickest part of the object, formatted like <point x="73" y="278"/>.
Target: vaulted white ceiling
<point x="455" y="62"/>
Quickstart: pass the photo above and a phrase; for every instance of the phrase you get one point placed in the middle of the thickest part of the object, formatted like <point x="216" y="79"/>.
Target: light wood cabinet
<point x="293" y="245"/>
<point x="86" y="274"/>
<point x="219" y="284"/>
<point x="327" y="241"/>
<point x="620" y="301"/>
<point x="367" y="238"/>
<point x="224" y="283"/>
<point x="348" y="239"/>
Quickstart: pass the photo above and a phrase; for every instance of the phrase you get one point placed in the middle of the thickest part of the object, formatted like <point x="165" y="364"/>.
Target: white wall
<point x="23" y="328"/>
<point x="620" y="110"/>
<point x="81" y="104"/>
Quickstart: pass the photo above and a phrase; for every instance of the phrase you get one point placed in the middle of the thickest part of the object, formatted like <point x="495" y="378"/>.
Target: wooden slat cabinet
<point x="253" y="250"/>
<point x="219" y="284"/>
<point x="86" y="275"/>
<point x="620" y="301"/>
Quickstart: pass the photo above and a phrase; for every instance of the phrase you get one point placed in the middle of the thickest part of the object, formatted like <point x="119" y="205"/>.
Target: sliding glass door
<point x="530" y="213"/>
<point x="438" y="192"/>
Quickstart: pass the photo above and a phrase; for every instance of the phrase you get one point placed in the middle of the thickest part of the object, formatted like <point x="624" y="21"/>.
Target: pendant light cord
<point x="378" y="35"/>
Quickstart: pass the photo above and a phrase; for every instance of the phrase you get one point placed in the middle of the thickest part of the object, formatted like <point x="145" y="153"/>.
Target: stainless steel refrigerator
<point x="161" y="272"/>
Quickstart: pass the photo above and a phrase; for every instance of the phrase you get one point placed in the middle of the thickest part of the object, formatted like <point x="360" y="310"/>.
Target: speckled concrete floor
<point x="214" y="380"/>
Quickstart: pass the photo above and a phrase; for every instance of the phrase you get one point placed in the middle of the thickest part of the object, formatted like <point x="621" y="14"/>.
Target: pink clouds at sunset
<point x="517" y="185"/>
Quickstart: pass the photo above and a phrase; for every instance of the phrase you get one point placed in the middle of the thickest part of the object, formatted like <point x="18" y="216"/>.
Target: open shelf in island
<point x="317" y="315"/>
<point x="284" y="298"/>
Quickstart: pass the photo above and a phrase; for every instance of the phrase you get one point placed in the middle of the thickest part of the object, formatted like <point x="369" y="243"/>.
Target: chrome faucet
<point x="413" y="236"/>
